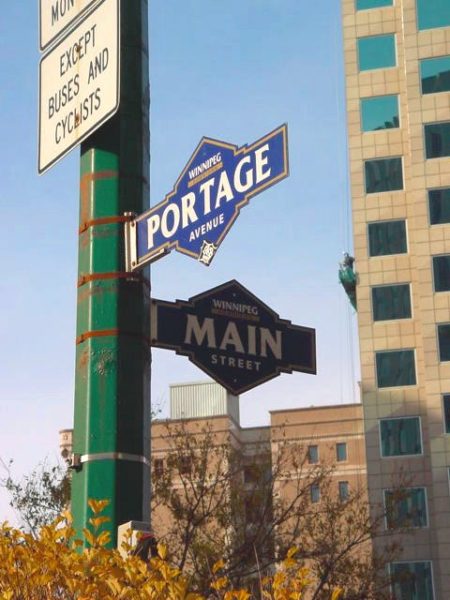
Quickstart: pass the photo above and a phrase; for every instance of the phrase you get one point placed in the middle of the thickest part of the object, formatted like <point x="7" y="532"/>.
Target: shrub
<point x="52" y="566"/>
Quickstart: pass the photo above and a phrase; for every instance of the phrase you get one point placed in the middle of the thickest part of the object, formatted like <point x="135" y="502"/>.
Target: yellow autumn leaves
<point x="52" y="567"/>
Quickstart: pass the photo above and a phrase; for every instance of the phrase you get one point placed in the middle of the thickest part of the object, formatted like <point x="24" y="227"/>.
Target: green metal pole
<point x="112" y="397"/>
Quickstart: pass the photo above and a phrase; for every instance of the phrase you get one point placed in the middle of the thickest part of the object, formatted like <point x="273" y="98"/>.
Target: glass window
<point x="376" y="52"/>
<point x="395" y="368"/>
<point x="437" y="140"/>
<point x="315" y="493"/>
<point x="343" y="490"/>
<point x="383" y="175"/>
<point x="406" y="508"/>
<point x="391" y="302"/>
<point x="387" y="237"/>
<point x="441" y="273"/>
<point x="158" y="467"/>
<point x="380" y="112"/>
<point x="432" y="13"/>
<point x="313" y="454"/>
<point x="341" y="451"/>
<point x="444" y="342"/>
<point x="412" y="580"/>
<point x="363" y="4"/>
<point x="184" y="465"/>
<point x="435" y="74"/>
<point x="400" y="437"/>
<point x="446" y="403"/>
<point x="439" y="205"/>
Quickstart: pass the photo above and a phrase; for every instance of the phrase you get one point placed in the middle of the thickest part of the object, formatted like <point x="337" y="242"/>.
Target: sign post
<point x="112" y="397"/>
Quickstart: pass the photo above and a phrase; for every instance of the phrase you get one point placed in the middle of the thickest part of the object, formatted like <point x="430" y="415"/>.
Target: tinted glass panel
<point x="435" y="74"/>
<point x="441" y="272"/>
<point x="412" y="581"/>
<point x="363" y="4"/>
<point x="313" y="454"/>
<point x="383" y="175"/>
<point x="315" y="493"/>
<point x="391" y="302"/>
<point x="437" y="140"/>
<point x="446" y="402"/>
<point x="395" y="368"/>
<point x="444" y="342"/>
<point x="432" y="13"/>
<point x="343" y="490"/>
<point x="406" y="508"/>
<point x="387" y="237"/>
<point x="400" y="437"/>
<point x="380" y="112"/>
<point x="341" y="451"/>
<point x="439" y="202"/>
<point x="376" y="52"/>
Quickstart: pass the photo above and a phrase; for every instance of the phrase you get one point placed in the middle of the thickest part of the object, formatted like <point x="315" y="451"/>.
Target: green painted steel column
<point x="112" y="397"/>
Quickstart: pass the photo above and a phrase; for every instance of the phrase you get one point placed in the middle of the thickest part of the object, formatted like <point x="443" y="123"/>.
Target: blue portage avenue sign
<point x="233" y="337"/>
<point x="218" y="180"/>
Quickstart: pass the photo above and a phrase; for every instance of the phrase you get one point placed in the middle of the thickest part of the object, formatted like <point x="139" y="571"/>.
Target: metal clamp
<point x="74" y="462"/>
<point x="130" y="242"/>
<point x="114" y="456"/>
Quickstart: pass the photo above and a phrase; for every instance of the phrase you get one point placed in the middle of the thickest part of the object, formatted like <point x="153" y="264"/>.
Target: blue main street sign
<point x="233" y="337"/>
<point x="218" y="180"/>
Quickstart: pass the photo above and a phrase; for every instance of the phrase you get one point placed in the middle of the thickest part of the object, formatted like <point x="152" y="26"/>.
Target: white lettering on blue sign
<point x="217" y="181"/>
<point x="213" y="191"/>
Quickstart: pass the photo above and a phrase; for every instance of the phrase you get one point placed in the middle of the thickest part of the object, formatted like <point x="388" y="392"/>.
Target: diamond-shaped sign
<point x="218" y="180"/>
<point x="233" y="337"/>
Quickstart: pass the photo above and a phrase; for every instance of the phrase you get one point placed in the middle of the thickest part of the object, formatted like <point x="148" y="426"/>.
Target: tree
<point x="210" y="500"/>
<point x="40" y="497"/>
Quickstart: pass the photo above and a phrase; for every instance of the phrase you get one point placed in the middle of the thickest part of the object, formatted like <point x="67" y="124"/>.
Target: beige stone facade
<point x="330" y="428"/>
<point x="334" y="434"/>
<point x="429" y="465"/>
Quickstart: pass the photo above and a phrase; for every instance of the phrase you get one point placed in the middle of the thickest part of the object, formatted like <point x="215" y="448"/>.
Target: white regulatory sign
<point x="56" y="15"/>
<point x="79" y="83"/>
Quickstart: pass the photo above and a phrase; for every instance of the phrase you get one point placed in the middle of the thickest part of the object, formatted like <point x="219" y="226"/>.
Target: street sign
<point x="218" y="180"/>
<point x="233" y="337"/>
<point x="57" y="15"/>
<point x="79" y="83"/>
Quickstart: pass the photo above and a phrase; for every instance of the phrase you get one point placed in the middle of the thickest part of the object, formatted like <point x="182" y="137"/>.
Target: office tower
<point x="397" y="67"/>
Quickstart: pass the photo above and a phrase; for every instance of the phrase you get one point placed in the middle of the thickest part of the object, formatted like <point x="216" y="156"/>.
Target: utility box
<point x="137" y="528"/>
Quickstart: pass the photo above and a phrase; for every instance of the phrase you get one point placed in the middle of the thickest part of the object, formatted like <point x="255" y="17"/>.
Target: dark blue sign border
<point x="170" y="326"/>
<point x="138" y="258"/>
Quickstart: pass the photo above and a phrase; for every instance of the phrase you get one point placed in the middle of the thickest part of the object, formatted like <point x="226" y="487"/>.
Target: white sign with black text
<point x="79" y="83"/>
<point x="56" y="15"/>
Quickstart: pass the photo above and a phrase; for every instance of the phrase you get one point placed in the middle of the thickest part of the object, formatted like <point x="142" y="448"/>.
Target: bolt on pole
<point x="112" y="383"/>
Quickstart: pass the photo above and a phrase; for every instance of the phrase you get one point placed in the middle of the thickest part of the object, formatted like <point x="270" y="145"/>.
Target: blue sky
<point x="232" y="71"/>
